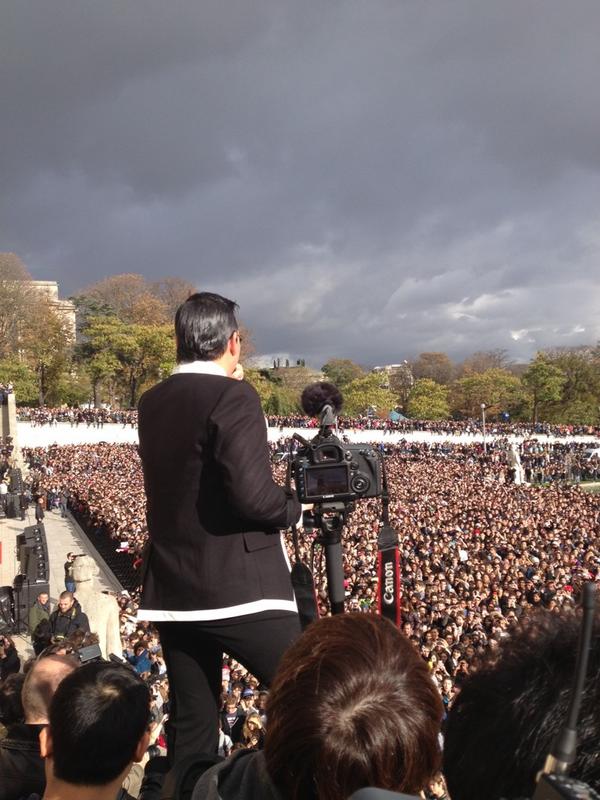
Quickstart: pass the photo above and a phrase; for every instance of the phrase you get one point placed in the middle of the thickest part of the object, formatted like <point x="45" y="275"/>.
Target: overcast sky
<point x="367" y="179"/>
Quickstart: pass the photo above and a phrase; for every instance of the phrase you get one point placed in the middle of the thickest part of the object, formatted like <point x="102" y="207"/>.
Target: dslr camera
<point x="327" y="470"/>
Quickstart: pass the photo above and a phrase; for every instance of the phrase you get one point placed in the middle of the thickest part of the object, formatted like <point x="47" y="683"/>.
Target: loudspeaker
<point x="36" y="563"/>
<point x="33" y="552"/>
<point x="13" y="506"/>
<point x="16" y="480"/>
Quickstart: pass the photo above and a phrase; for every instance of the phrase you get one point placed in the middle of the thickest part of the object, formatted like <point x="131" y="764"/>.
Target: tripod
<point x="329" y="518"/>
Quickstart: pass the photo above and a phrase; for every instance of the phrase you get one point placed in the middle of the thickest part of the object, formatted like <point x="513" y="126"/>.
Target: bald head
<point x="40" y="684"/>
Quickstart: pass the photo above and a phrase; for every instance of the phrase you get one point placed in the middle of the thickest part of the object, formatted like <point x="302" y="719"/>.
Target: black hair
<point x="11" y="705"/>
<point x="501" y="726"/>
<point x="203" y="325"/>
<point x="97" y="717"/>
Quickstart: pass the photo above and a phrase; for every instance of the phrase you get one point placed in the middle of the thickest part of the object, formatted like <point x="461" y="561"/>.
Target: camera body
<point x="327" y="470"/>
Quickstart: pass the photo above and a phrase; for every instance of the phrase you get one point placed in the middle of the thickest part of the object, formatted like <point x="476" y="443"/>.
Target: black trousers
<point x="193" y="653"/>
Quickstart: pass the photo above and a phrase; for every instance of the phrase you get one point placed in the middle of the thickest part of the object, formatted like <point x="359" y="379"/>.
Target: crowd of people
<point x="477" y="550"/>
<point x="89" y="416"/>
<point x="478" y="554"/>
<point x="98" y="417"/>
<point x="447" y="427"/>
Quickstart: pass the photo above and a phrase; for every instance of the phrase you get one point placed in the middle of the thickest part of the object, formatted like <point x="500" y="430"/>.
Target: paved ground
<point x="63" y="536"/>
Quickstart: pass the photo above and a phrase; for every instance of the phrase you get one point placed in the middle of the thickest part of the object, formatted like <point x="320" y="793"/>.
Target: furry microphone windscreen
<point x="318" y="395"/>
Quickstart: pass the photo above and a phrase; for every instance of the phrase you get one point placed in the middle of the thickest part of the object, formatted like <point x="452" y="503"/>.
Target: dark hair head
<point x="501" y="726"/>
<point x="203" y="325"/>
<point x="352" y="705"/>
<point x="97" y="717"/>
<point x="11" y="706"/>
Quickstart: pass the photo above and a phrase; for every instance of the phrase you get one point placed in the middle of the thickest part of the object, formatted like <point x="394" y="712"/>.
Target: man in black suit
<point x="216" y="575"/>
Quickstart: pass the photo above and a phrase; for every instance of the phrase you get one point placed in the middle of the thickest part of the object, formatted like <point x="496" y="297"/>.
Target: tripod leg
<point x="335" y="576"/>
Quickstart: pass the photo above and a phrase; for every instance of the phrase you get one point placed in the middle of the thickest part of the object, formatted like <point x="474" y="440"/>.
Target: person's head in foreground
<point x="98" y="727"/>
<point x="502" y="724"/>
<point x="352" y="705"/>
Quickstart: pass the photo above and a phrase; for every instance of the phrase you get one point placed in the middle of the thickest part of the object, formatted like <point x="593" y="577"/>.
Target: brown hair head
<point x="352" y="705"/>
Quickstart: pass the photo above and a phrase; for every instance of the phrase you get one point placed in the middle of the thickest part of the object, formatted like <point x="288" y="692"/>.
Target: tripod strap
<point x="388" y="560"/>
<point x="302" y="578"/>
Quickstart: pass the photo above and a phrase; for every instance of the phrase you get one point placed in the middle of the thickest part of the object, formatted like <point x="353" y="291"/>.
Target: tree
<point x="17" y="298"/>
<point x="368" y="392"/>
<point x="436" y="366"/>
<point x="129" y="297"/>
<point x="545" y="382"/>
<point x="263" y="387"/>
<point x="483" y="360"/>
<point x="580" y="395"/>
<point x="45" y="345"/>
<point x="133" y="354"/>
<point x="22" y="377"/>
<point x="342" y="371"/>
<point x="172" y="292"/>
<point x="428" y="400"/>
<point x="401" y="382"/>
<point x="497" y="388"/>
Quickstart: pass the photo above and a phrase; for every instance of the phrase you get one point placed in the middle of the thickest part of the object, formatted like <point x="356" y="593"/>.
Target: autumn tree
<point x="483" y="360"/>
<point x="130" y="298"/>
<point x="171" y="292"/>
<point x="428" y="400"/>
<point x="437" y="367"/>
<point x="16" y="299"/>
<point x="45" y="345"/>
<point x="401" y="382"/>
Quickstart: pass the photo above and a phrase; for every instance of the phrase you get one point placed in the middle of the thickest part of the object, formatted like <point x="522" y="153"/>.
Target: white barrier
<point x="62" y="433"/>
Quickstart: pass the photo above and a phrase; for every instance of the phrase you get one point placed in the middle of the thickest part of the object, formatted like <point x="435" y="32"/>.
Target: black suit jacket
<point x="213" y="509"/>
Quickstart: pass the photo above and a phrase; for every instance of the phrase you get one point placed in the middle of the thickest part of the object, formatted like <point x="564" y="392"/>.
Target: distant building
<point x="64" y="308"/>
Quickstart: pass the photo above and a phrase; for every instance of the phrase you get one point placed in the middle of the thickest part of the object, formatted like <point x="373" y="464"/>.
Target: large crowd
<point x="88" y="416"/>
<point x="98" y="417"/>
<point x="478" y="552"/>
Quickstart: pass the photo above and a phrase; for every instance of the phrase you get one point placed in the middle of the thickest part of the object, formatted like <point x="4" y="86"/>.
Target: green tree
<point x="96" y="352"/>
<point x="428" y="400"/>
<point x="132" y="355"/>
<point x="497" y="388"/>
<point x="580" y="396"/>
<point x="367" y="392"/>
<point x="342" y="371"/>
<point x="263" y="387"/>
<point x="545" y="382"/>
<point x="23" y="379"/>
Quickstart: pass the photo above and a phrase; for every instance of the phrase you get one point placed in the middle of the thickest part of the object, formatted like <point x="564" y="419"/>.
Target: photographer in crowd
<point x="216" y="576"/>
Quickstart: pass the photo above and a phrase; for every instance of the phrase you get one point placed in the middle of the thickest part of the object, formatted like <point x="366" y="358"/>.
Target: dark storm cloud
<point x="368" y="179"/>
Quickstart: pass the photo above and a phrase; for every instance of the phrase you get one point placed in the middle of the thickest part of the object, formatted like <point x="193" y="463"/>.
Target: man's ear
<point x="142" y="746"/>
<point x="46" y="746"/>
